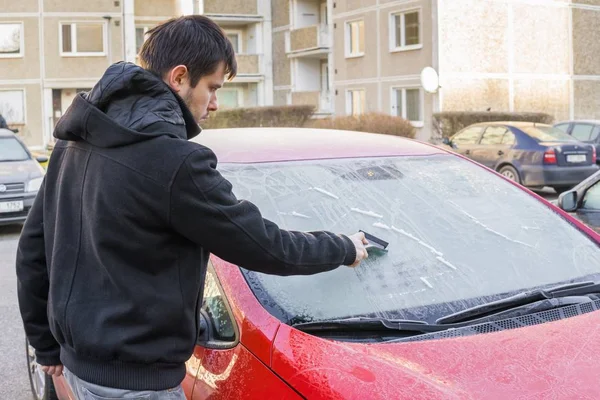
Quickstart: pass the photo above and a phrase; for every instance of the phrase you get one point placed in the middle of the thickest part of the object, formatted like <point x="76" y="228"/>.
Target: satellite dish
<point x="430" y="81"/>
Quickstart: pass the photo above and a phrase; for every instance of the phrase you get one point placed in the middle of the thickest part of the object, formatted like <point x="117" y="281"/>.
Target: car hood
<point x="556" y="359"/>
<point x="19" y="171"/>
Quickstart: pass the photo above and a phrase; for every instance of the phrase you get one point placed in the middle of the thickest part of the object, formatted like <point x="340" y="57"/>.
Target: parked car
<point x="434" y="317"/>
<point x="534" y="155"/>
<point x="586" y="131"/>
<point x="20" y="178"/>
<point x="583" y="201"/>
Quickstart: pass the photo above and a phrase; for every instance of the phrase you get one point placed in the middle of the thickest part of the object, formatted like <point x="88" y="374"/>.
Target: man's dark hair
<point x="192" y="40"/>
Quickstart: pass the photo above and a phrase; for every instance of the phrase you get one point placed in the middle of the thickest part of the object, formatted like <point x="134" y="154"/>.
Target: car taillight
<point x="550" y="156"/>
<point x="594" y="155"/>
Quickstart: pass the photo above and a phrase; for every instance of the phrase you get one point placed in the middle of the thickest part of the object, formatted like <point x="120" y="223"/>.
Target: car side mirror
<point x="568" y="201"/>
<point x="42" y="159"/>
<point x="447" y="141"/>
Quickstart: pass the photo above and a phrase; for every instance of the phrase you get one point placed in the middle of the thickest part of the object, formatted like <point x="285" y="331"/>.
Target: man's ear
<point x="177" y="78"/>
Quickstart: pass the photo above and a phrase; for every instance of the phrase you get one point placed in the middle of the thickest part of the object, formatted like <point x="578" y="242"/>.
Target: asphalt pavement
<point x="14" y="384"/>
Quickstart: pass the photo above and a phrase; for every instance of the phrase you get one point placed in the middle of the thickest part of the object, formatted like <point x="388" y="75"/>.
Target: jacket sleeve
<point x="204" y="209"/>
<point x="33" y="285"/>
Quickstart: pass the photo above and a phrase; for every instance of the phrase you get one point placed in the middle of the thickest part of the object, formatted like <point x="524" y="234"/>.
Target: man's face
<point x="201" y="99"/>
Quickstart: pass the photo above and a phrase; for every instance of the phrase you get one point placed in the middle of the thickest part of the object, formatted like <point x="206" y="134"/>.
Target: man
<point x="112" y="258"/>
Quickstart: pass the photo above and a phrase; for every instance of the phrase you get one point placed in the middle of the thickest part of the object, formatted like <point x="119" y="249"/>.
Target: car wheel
<point x="561" y="189"/>
<point x="41" y="383"/>
<point x="511" y="173"/>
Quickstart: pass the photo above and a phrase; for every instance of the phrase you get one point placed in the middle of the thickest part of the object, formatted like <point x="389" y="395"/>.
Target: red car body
<point x="272" y="360"/>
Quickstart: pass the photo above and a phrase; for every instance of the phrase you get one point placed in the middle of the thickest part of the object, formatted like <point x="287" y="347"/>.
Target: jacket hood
<point x="128" y="104"/>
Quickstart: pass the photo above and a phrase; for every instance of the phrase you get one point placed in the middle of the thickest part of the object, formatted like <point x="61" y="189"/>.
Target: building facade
<point x="341" y="56"/>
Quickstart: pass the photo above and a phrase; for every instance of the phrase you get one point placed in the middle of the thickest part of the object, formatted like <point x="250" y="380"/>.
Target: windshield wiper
<point x="364" y="324"/>
<point x="521" y="304"/>
<point x="525" y="303"/>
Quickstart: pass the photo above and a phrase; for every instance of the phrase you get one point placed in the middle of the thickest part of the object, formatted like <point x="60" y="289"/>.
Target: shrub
<point x="371" y="122"/>
<point x="291" y="116"/>
<point x="446" y="124"/>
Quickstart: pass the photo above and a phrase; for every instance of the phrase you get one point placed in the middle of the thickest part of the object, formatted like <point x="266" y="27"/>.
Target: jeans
<point x="88" y="391"/>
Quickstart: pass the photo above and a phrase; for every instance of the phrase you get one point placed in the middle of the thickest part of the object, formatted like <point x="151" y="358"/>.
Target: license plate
<point x="576" y="158"/>
<point x="11" y="206"/>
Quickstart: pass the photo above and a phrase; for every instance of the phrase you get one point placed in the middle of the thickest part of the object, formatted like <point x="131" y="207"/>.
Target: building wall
<point x="249" y="7"/>
<point x="382" y="68"/>
<point x="281" y="13"/>
<point x="27" y="66"/>
<point x="156" y="8"/>
<point x="586" y="60"/>
<point x="520" y="56"/>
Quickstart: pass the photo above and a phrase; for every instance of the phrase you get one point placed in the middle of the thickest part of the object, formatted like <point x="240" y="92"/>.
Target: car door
<point x="465" y="141"/>
<point x="226" y="369"/>
<point x="491" y="149"/>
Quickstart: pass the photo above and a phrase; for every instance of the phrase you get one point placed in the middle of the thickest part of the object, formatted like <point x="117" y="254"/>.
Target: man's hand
<point x="53" y="370"/>
<point x="359" y="243"/>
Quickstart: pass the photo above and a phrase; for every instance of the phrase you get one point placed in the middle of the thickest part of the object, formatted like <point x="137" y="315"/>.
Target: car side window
<point x="582" y="132"/>
<point x="215" y="307"/>
<point x="493" y="135"/>
<point x="468" y="136"/>
<point x="563" y="127"/>
<point x="591" y="200"/>
<point x="509" y="138"/>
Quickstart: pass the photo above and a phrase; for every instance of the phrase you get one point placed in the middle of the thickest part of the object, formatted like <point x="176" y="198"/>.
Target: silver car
<point x="21" y="176"/>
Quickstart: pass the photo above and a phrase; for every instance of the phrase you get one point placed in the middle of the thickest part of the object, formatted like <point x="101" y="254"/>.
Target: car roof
<point x="516" y="124"/>
<point x="255" y="145"/>
<point x="580" y="121"/>
<point x="6" y="133"/>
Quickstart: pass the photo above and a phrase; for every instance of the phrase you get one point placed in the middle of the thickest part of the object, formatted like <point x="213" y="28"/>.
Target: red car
<point x="485" y="290"/>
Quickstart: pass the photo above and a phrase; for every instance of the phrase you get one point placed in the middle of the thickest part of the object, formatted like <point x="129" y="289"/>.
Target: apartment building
<point x="341" y="56"/>
<point x="503" y="55"/>
<point x="52" y="49"/>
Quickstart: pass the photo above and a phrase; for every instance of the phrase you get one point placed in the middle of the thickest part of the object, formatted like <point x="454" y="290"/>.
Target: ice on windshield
<point x="458" y="236"/>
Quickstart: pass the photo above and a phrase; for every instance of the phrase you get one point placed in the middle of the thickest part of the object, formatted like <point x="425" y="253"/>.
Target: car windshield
<point x="548" y="134"/>
<point x="458" y="236"/>
<point x="12" y="150"/>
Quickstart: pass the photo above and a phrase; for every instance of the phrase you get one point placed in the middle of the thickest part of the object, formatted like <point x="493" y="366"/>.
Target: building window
<point x="229" y="98"/>
<point x="408" y="104"/>
<point x="235" y="37"/>
<point x="140" y="37"/>
<point x="12" y="106"/>
<point x="355" y="102"/>
<point x="406" y="31"/>
<point x="11" y="40"/>
<point x="82" y="39"/>
<point x="355" y="38"/>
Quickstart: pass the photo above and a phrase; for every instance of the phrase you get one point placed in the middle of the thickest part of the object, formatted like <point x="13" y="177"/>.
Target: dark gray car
<point x="586" y="131"/>
<point x="534" y="155"/>
<point x="20" y="178"/>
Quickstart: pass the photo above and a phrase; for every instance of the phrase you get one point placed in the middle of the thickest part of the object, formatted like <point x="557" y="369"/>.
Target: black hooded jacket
<point x="112" y="258"/>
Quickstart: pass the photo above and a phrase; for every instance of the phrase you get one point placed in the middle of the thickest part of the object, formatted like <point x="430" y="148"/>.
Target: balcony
<point x="309" y="40"/>
<point x="320" y="100"/>
<point x="248" y="64"/>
